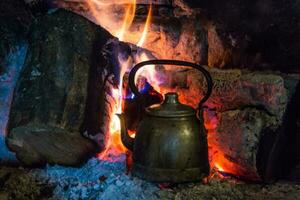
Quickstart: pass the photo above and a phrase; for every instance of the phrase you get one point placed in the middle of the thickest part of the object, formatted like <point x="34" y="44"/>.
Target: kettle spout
<point x="127" y="141"/>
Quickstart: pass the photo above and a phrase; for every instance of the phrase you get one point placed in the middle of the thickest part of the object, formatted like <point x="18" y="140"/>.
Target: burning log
<point x="62" y="92"/>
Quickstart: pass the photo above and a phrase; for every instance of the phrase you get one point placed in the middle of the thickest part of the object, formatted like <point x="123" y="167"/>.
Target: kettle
<point x="170" y="143"/>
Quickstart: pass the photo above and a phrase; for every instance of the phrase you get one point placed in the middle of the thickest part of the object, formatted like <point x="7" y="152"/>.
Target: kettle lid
<point x="171" y="107"/>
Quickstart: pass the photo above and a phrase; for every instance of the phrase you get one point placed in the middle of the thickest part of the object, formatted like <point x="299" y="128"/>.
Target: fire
<point x="129" y="16"/>
<point x="114" y="146"/>
<point x="219" y="167"/>
<point x="147" y="24"/>
<point x="103" y="13"/>
<point x="121" y="29"/>
<point x="148" y="72"/>
<point x="218" y="161"/>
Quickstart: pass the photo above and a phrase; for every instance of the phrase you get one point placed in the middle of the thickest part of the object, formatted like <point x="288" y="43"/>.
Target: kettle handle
<point x="206" y="74"/>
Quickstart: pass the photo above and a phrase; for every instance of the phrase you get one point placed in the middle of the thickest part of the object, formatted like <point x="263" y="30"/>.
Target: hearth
<point x="68" y="77"/>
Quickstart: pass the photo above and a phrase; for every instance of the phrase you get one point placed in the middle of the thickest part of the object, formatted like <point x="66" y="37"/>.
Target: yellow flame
<point x="128" y="19"/>
<point x="110" y="2"/>
<point x="113" y="144"/>
<point x="146" y="28"/>
<point x="103" y="13"/>
<point x="219" y="167"/>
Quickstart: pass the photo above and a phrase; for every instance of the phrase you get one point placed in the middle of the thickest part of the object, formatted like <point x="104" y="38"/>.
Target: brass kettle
<point x="170" y="143"/>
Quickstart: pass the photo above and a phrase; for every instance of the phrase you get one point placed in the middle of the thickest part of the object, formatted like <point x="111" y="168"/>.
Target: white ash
<point x="97" y="180"/>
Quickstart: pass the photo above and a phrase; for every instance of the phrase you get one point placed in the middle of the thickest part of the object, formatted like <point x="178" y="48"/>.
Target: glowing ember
<point x="217" y="159"/>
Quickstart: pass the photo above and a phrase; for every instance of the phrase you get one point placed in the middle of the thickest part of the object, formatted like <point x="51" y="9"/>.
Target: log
<point x="62" y="92"/>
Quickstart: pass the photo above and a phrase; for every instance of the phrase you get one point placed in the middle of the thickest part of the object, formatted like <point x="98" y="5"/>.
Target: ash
<point x="97" y="180"/>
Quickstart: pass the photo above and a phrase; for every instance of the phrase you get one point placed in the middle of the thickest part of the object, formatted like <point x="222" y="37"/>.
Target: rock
<point x="39" y="6"/>
<point x="236" y="89"/>
<point x="15" y="21"/>
<point x="239" y="88"/>
<point x="255" y="34"/>
<point x="40" y="144"/>
<point x="178" y="38"/>
<point x="220" y="34"/>
<point x="218" y="55"/>
<point x="4" y="195"/>
<point x="234" y="143"/>
<point x="169" y="36"/>
<point x="245" y="116"/>
<point x="60" y="94"/>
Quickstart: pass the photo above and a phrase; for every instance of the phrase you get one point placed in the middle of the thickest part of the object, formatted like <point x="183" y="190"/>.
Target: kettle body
<point x="171" y="141"/>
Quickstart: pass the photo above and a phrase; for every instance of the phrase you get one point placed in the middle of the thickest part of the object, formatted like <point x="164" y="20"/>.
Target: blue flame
<point x="144" y="90"/>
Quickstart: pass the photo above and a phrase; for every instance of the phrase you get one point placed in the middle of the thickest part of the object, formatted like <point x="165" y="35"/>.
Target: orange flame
<point x="103" y="15"/>
<point x="114" y="145"/>
<point x="146" y="28"/>
<point x="129" y="16"/>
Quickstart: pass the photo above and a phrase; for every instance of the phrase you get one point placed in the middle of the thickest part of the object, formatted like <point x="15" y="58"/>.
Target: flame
<point x="114" y="146"/>
<point x="217" y="159"/>
<point x="148" y="72"/>
<point x="99" y="16"/>
<point x="219" y="167"/>
<point x="147" y="25"/>
<point x="128" y="19"/>
<point x="109" y="2"/>
<point x="102" y="12"/>
<point x="104" y="15"/>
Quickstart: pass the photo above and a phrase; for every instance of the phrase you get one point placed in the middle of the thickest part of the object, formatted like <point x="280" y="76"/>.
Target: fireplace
<point x="65" y="81"/>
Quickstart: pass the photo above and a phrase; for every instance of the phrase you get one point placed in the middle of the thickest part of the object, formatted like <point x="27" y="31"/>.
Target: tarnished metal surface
<point x="170" y="143"/>
<point x="170" y="148"/>
<point x="171" y="108"/>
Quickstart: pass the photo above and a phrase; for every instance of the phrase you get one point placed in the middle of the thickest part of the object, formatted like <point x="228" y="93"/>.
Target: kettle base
<point x="170" y="175"/>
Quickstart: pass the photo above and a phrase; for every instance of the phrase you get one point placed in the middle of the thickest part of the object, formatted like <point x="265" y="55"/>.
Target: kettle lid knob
<point x="171" y="107"/>
<point x="171" y="98"/>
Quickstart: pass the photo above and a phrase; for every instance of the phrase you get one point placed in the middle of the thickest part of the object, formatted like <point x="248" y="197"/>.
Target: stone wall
<point x="245" y="117"/>
<point x="253" y="34"/>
